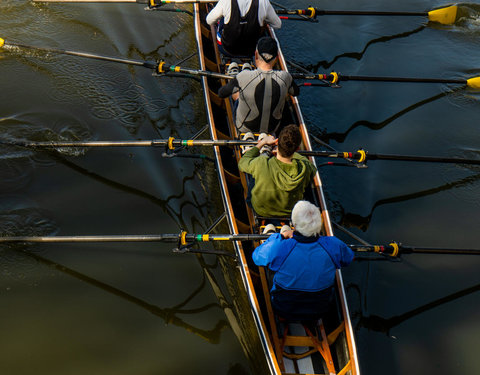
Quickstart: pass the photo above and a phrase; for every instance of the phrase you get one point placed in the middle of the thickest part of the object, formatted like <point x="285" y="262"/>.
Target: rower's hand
<point x="287" y="234"/>
<point x="268" y="140"/>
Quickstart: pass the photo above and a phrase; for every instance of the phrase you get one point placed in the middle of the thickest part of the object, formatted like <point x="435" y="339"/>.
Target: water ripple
<point x="20" y="217"/>
<point x="468" y="18"/>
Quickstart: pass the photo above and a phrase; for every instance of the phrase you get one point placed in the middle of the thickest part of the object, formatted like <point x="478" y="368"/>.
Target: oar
<point x="446" y="16"/>
<point x="152" y="3"/>
<point x="184" y="238"/>
<point x="160" y="67"/>
<point x="394" y="249"/>
<point x="171" y="143"/>
<point x="337" y="77"/>
<point x="363" y="156"/>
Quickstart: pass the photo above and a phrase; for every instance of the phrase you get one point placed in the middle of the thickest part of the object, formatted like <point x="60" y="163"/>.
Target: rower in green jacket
<point x="280" y="180"/>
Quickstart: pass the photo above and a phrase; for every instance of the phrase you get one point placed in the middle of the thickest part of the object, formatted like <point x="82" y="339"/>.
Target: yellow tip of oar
<point x="474" y="83"/>
<point x="2" y="42"/>
<point x="445" y="16"/>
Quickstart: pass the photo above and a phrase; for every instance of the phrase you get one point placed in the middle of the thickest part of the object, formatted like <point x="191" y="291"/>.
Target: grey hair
<point x="307" y="219"/>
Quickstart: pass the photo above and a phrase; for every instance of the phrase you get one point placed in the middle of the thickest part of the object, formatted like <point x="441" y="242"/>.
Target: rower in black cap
<point x="260" y="94"/>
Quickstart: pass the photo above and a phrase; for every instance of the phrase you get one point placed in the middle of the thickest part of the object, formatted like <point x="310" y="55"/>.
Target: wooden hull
<point x="240" y="217"/>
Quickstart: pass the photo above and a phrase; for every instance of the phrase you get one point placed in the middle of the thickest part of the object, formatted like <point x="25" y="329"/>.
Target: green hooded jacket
<point x="278" y="185"/>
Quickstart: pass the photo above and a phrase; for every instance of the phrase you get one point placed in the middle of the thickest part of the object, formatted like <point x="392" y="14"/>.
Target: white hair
<point x="306" y="218"/>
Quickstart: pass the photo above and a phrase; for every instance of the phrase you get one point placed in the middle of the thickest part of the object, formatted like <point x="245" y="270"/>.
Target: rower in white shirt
<point x="241" y="24"/>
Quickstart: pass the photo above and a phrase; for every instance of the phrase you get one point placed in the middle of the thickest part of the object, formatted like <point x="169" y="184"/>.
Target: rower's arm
<point x="272" y="18"/>
<point x="294" y="89"/>
<point x="217" y="13"/>
<point x="227" y="90"/>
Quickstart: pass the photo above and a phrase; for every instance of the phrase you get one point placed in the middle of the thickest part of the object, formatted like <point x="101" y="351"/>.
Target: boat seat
<point x="301" y="346"/>
<point x="305" y="341"/>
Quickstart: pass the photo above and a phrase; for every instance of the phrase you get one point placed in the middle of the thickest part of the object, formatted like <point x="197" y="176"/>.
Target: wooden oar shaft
<point x="86" y="239"/>
<point x="92" y="1"/>
<point x="174" y="237"/>
<point x="161" y="67"/>
<point x="126" y="1"/>
<point x="154" y="143"/>
<point x="148" y="64"/>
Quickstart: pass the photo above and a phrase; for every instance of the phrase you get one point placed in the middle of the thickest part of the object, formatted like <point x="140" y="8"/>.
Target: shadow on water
<point x="362" y="222"/>
<point x="468" y="18"/>
<point x="169" y="315"/>
<point x="358" y="55"/>
<point x="163" y="203"/>
<point x="340" y="137"/>
<point x="384" y="325"/>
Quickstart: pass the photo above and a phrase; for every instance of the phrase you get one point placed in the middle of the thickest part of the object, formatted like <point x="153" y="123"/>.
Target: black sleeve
<point x="294" y="89"/>
<point x="227" y="90"/>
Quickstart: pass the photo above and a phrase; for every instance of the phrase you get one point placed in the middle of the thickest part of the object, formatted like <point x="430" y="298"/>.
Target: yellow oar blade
<point x="2" y="42"/>
<point x="474" y="83"/>
<point x="445" y="16"/>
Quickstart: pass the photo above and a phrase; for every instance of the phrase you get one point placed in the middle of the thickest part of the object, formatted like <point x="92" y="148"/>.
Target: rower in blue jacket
<point x="304" y="263"/>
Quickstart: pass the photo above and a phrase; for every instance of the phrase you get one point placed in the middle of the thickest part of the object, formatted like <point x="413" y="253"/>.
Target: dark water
<point x="138" y="308"/>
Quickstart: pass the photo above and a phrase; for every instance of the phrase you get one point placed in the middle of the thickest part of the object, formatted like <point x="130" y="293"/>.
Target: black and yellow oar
<point x="363" y="156"/>
<point x="170" y="143"/>
<point x="159" y="67"/>
<point x="397" y="249"/>
<point x="335" y="78"/>
<point x="184" y="239"/>
<point x="446" y="16"/>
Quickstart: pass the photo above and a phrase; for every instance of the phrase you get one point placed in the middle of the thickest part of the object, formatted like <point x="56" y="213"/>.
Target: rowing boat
<point x="334" y="349"/>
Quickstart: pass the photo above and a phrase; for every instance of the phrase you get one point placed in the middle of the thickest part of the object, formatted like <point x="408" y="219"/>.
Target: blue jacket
<point x="303" y="263"/>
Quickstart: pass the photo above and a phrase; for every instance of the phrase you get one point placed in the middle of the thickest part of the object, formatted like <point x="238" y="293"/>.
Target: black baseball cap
<point x="267" y="48"/>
